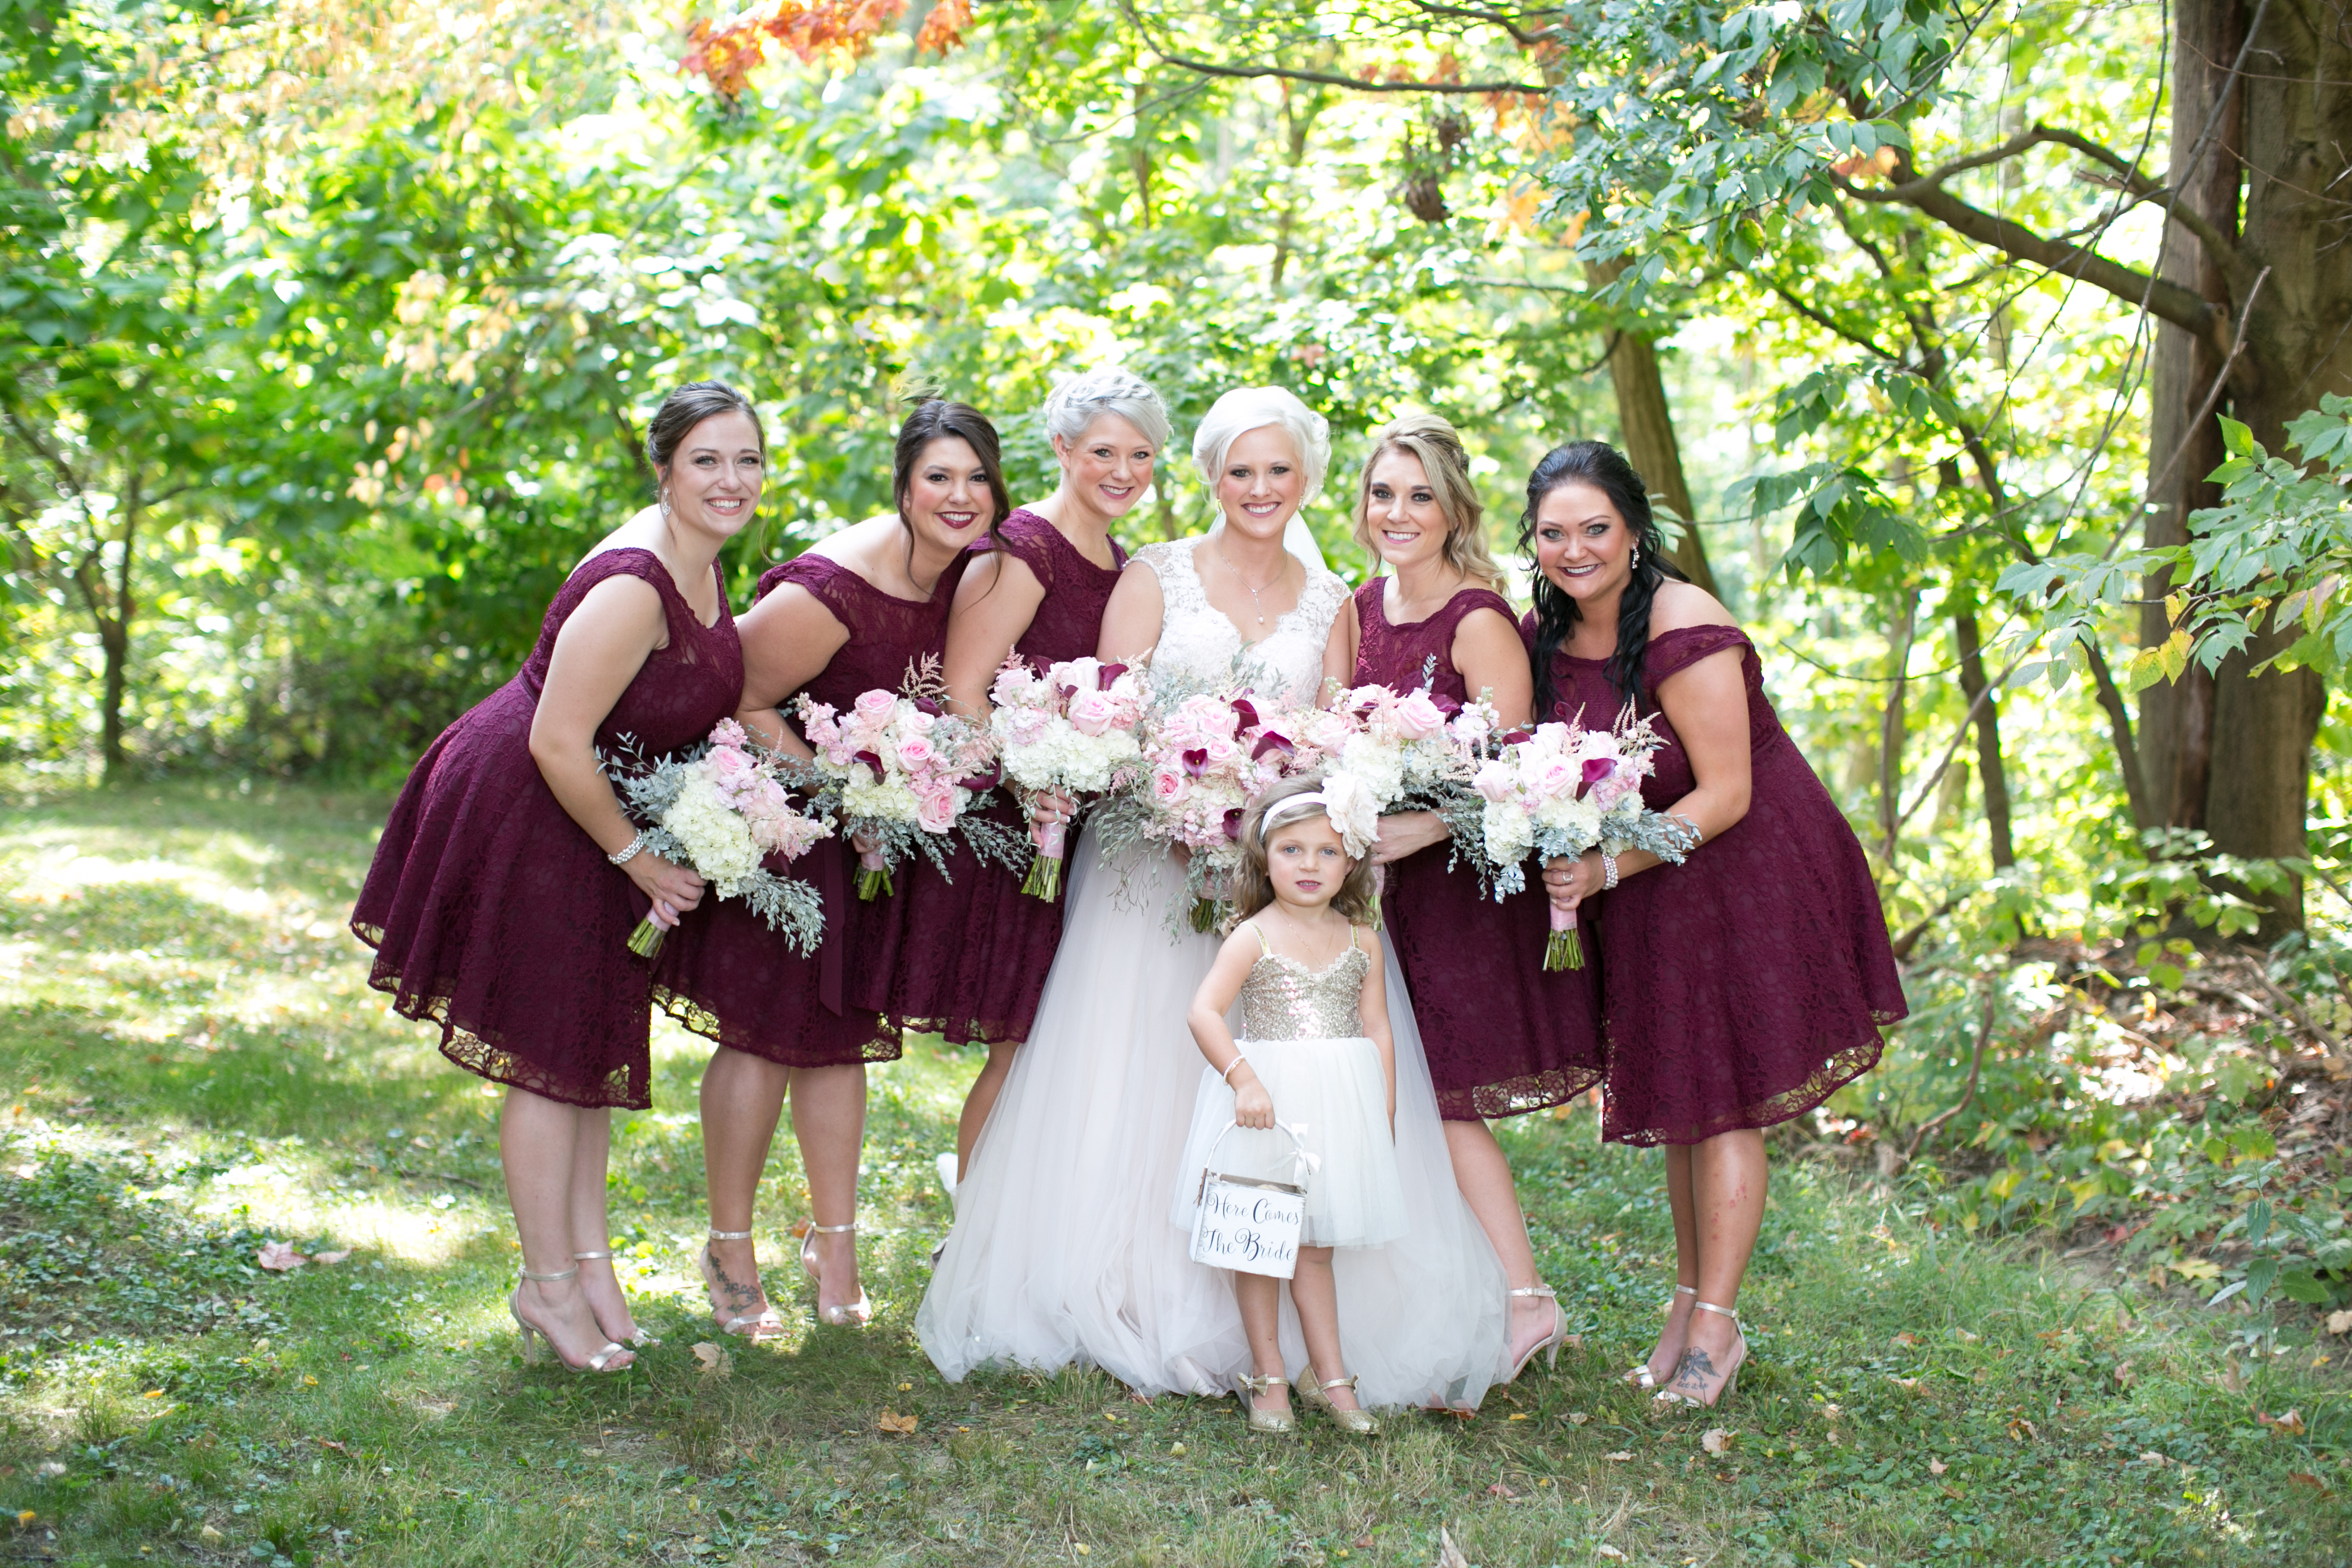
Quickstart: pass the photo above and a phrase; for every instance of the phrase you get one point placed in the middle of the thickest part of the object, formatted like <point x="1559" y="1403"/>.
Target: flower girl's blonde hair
<point x="1253" y="888"/>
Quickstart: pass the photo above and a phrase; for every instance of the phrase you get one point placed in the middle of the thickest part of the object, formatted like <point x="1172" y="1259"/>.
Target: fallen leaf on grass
<point x="1576" y="1417"/>
<point x="1517" y="1415"/>
<point x="2339" y="1322"/>
<point x="1717" y="1441"/>
<point x="715" y="1360"/>
<point x="336" y="1256"/>
<point x="280" y="1257"/>
<point x="2291" y="1423"/>
<point x="2151" y="1457"/>
<point x="1605" y="1550"/>
<point x="1936" y="1467"/>
<point x="2231" y="1381"/>
<point x="1620" y="1456"/>
<point x="1500" y="1490"/>
<point x="2306" y="1478"/>
<point x="1907" y="1338"/>
<point x="2124" y="1375"/>
<point x="1448" y="1554"/>
<point x="1907" y="1384"/>
<point x="2022" y="1430"/>
<point x="891" y="1421"/>
<point x="1364" y="1543"/>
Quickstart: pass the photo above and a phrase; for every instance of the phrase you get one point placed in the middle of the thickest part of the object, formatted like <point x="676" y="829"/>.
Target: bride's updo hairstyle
<point x="936" y="417"/>
<point x="688" y="407"/>
<point x="1110" y="389"/>
<point x="1273" y="810"/>
<point x="1248" y="408"/>
<point x="1437" y="446"/>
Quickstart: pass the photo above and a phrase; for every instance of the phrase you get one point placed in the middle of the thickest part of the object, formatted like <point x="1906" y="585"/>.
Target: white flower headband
<point x="1353" y="813"/>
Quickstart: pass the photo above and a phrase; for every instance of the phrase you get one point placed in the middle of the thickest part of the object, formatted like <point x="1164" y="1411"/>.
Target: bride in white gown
<point x="1063" y="1250"/>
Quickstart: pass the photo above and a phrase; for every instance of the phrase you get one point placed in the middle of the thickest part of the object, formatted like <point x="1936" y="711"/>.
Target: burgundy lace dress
<point x="493" y="914"/>
<point x="723" y="973"/>
<point x="1745" y="985"/>
<point x="1503" y="1037"/>
<point x="969" y="960"/>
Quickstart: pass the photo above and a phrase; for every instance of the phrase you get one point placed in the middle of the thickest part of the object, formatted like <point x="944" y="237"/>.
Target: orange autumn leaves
<point x="728" y="52"/>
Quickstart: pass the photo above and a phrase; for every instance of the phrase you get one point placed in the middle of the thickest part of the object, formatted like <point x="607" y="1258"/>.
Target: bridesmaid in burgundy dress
<point x="1503" y="1038"/>
<point x="508" y="878"/>
<point x="1744" y="986"/>
<point x="851" y="615"/>
<point x="1038" y="588"/>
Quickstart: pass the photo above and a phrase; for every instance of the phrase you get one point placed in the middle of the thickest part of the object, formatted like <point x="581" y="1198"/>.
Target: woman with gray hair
<point x="1063" y="1250"/>
<point x="1037" y="589"/>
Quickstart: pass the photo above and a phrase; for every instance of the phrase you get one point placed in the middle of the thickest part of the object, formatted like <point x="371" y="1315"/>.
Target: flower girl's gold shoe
<point x="1265" y="1420"/>
<point x="1361" y="1422"/>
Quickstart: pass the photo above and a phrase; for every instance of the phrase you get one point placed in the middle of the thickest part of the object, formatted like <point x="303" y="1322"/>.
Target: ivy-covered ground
<point x="191" y="1068"/>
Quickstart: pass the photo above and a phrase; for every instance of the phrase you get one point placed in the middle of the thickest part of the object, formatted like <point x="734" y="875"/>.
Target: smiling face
<point x="1305" y="861"/>
<point x="1408" y="526"/>
<point x="947" y="499"/>
<point x="1582" y="543"/>
<point x="1261" y="483"/>
<point x="714" y="476"/>
<point x="1108" y="466"/>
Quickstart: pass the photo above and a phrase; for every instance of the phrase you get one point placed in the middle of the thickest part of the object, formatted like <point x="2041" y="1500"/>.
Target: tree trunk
<point x="1969" y="642"/>
<point x="2230" y="754"/>
<point x="114" y="641"/>
<point x="1894" y="730"/>
<point x="1648" y="430"/>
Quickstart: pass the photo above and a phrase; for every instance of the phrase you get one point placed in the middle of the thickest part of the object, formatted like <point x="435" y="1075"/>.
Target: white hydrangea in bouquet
<point x="721" y="809"/>
<point x="1205" y="756"/>
<point x="1563" y="790"/>
<point x="1069" y="730"/>
<point x="901" y="773"/>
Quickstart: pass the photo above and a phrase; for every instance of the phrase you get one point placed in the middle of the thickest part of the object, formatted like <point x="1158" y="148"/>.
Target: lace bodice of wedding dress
<point x="1199" y="644"/>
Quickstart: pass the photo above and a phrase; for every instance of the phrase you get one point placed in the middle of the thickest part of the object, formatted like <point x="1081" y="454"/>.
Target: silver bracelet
<point x="1228" y="1074"/>
<point x="1608" y="870"/>
<point x="628" y="851"/>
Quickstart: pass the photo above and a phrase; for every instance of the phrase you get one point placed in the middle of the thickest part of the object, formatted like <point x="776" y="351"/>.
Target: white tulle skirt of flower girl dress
<point x="1064" y="1252"/>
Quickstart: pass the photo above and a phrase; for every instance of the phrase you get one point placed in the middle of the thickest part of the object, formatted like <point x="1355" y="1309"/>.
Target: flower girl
<point x="1315" y="1072"/>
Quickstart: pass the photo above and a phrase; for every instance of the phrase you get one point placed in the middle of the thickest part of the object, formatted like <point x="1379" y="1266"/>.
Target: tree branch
<point x="1976" y="1066"/>
<point x="1353" y="84"/>
<point x="1510" y="25"/>
<point x="2184" y="308"/>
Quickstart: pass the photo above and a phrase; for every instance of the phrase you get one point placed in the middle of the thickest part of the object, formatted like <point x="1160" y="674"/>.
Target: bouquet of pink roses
<point x="1205" y="756"/>
<point x="901" y="772"/>
<point x="720" y="810"/>
<point x="1070" y="730"/>
<point x="1566" y="789"/>
<point x="1410" y="751"/>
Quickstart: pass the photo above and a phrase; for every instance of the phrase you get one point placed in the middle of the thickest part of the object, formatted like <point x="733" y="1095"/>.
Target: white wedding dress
<point x="1063" y="1250"/>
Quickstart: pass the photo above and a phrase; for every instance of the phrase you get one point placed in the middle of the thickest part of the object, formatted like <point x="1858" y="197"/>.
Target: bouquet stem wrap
<point x="1565" y="949"/>
<point x="1045" y="878"/>
<point x="646" y="939"/>
<point x="873" y="876"/>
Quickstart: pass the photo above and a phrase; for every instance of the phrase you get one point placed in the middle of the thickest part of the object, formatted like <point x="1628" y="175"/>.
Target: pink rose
<point x="1418" y="718"/>
<point x="1494" y="782"/>
<point x="876" y="705"/>
<point x="918" y="721"/>
<point x="1554" y="778"/>
<point x="1221" y="750"/>
<point x="1168" y="785"/>
<point x="935" y="809"/>
<point x="728" y="766"/>
<point x="915" y="751"/>
<point x="1092" y="712"/>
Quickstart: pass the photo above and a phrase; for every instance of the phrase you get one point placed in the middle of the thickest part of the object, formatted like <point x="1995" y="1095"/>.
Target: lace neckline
<point x="1380" y="607"/>
<point x="1041" y="523"/>
<point x="669" y="581"/>
<point x="1197" y="594"/>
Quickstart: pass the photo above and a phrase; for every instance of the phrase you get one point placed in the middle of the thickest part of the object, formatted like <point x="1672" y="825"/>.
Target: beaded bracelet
<point x="628" y="851"/>
<point x="1608" y="870"/>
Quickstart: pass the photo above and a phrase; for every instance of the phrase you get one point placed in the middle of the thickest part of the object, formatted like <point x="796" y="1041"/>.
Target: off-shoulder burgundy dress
<point x="493" y="914"/>
<point x="1502" y="1035"/>
<point x="1742" y="988"/>
<point x="723" y="973"/>
<point x="969" y="960"/>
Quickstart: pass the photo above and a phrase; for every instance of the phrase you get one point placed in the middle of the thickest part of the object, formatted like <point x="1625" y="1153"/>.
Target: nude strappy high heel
<point x="1550" y="1345"/>
<point x="1265" y="1420"/>
<point x="1361" y="1422"/>
<point x="533" y="1338"/>
<point x="753" y="1326"/>
<point x="1640" y="1374"/>
<point x="638" y="1339"/>
<point x="857" y="1313"/>
<point x="1672" y="1396"/>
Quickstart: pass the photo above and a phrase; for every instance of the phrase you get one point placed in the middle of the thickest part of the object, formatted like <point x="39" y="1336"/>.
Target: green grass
<point x="191" y="1063"/>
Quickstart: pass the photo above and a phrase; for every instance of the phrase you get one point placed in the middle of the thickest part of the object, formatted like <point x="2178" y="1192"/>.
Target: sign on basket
<point x="1251" y="1224"/>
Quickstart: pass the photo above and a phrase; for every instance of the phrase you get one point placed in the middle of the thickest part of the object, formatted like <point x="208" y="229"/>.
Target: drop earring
<point x="663" y="500"/>
<point x="1637" y="555"/>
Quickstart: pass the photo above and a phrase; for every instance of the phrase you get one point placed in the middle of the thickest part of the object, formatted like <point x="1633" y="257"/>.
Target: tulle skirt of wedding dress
<point x="1062" y="1251"/>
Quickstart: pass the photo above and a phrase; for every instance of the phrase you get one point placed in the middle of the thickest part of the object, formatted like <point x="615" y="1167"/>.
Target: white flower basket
<point x="1251" y="1224"/>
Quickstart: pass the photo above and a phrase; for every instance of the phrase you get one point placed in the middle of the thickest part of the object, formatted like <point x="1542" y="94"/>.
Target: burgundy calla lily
<point x="1246" y="713"/>
<point x="1595" y="770"/>
<point x="1234" y="824"/>
<point x="1273" y="740"/>
<point x="925" y="705"/>
<point x="1106" y="673"/>
<point x="1196" y="762"/>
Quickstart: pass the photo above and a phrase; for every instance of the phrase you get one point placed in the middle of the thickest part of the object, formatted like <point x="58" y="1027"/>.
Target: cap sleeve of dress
<point x="820" y="576"/>
<point x="1470" y="600"/>
<point x="1020" y="536"/>
<point x="1152" y="555"/>
<point x="1673" y="652"/>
